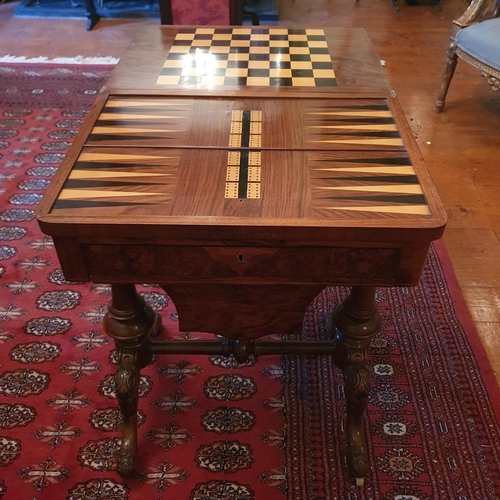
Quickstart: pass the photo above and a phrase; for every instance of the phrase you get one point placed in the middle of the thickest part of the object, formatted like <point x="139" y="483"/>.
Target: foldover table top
<point x="163" y="58"/>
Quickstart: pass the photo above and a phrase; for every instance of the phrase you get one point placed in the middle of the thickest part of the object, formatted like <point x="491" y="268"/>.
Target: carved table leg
<point x="356" y="321"/>
<point x="129" y="321"/>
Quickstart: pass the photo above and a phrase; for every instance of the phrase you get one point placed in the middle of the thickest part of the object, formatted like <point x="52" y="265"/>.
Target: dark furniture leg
<point x="129" y="321"/>
<point x="354" y="323"/>
<point x="92" y="16"/>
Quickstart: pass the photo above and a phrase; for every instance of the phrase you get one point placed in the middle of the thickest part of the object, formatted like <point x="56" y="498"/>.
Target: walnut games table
<point x="243" y="200"/>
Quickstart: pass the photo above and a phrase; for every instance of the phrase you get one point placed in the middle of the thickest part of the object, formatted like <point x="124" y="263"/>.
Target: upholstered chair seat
<point x="482" y="42"/>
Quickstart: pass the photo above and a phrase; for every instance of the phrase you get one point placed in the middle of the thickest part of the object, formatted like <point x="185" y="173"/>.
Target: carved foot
<point x="125" y="464"/>
<point x="127" y="389"/>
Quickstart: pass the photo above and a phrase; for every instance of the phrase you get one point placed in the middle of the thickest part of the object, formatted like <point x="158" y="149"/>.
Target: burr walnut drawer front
<point x="231" y="263"/>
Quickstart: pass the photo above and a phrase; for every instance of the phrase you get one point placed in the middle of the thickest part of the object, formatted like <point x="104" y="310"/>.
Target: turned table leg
<point x="129" y="321"/>
<point x="355" y="321"/>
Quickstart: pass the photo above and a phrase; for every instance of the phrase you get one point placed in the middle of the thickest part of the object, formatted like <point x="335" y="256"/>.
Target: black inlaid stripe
<point x="372" y="107"/>
<point x="378" y="161"/>
<point x="350" y="133"/>
<point x="128" y="137"/>
<point x="98" y="183"/>
<point x="90" y="165"/>
<point x="133" y="123"/>
<point x="243" y="181"/>
<point x="358" y="121"/>
<point x="245" y="142"/>
<point x="410" y="199"/>
<point x="60" y="204"/>
<point x="397" y="179"/>
<point x="149" y="110"/>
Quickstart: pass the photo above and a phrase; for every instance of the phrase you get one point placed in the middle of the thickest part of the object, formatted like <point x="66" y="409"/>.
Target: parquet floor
<point x="461" y="146"/>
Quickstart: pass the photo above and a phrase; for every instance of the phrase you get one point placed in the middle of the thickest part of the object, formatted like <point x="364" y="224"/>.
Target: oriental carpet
<point x="211" y="429"/>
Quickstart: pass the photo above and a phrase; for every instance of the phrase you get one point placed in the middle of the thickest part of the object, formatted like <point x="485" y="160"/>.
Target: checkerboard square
<point x="222" y="37"/>
<point x="238" y="56"/>
<point x="221" y="43"/>
<point x="241" y="50"/>
<point x="280" y="82"/>
<point x="220" y="49"/>
<point x="278" y="31"/>
<point x="258" y="65"/>
<point x="301" y="65"/>
<point x="167" y="80"/>
<point x="316" y="44"/>
<point x="325" y="82"/>
<point x="323" y="73"/>
<point x="303" y="82"/>
<point x="280" y="65"/>
<point x="205" y="31"/>
<point x="212" y="81"/>
<point x="236" y="72"/>
<point x="299" y="57"/>
<point x="183" y="42"/>
<point x="259" y="57"/>
<point x="299" y="51"/>
<point x="278" y="43"/>
<point x="302" y="73"/>
<point x="259" y="43"/>
<point x="242" y="31"/>
<point x="280" y="73"/>
<point x="171" y="71"/>
<point x="188" y="80"/>
<point x="184" y="36"/>
<point x="221" y="63"/>
<point x="239" y="38"/>
<point x="259" y="50"/>
<point x="279" y="50"/>
<point x="258" y="72"/>
<point x="258" y="81"/>
<point x="259" y="36"/>
<point x="237" y="64"/>
<point x="322" y="65"/>
<point x="298" y="38"/>
<point x="180" y="49"/>
<point x="174" y="63"/>
<point x="313" y="32"/>
<point x="235" y="81"/>
<point x="319" y="50"/>
<point x="321" y="58"/>
<point x="201" y="43"/>
<point x="279" y="58"/>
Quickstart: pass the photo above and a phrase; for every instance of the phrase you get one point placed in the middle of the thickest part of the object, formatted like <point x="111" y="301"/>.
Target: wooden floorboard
<point x="460" y="146"/>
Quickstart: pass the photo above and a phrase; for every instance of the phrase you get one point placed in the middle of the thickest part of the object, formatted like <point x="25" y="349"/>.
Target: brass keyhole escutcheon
<point x="241" y="257"/>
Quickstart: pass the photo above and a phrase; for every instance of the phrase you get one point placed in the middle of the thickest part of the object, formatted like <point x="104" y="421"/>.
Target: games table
<point x="243" y="194"/>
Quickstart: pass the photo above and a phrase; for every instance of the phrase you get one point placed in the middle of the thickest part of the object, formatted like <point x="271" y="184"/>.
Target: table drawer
<point x="241" y="264"/>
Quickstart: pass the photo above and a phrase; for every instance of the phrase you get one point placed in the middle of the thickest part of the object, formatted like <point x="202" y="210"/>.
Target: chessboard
<point x="266" y="57"/>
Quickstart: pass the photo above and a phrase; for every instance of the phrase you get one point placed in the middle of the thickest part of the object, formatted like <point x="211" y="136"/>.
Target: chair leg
<point x="449" y="70"/>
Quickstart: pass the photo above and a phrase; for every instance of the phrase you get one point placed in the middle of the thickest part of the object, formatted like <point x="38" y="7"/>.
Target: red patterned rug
<point x="211" y="429"/>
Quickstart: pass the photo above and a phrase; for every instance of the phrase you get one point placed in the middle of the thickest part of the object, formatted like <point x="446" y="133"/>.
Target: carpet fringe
<point x="59" y="60"/>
